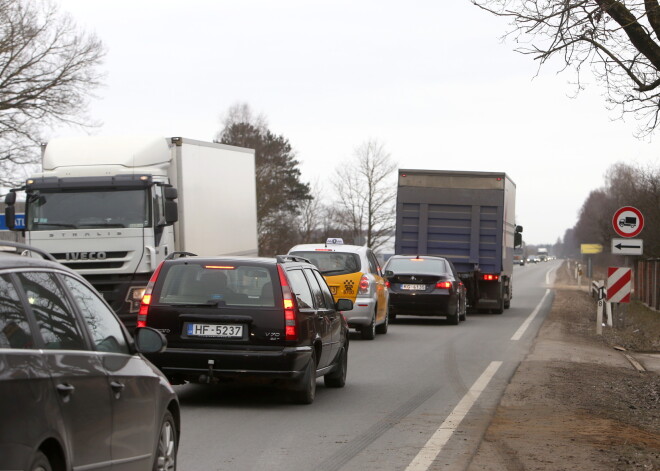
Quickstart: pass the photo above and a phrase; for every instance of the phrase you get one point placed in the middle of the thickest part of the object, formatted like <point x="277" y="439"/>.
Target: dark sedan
<point x="425" y="286"/>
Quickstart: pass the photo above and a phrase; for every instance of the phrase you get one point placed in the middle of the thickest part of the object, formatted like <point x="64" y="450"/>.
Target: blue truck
<point x="467" y="218"/>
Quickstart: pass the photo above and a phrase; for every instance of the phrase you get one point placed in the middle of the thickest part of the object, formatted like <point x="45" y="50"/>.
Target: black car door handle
<point x="116" y="386"/>
<point x="65" y="389"/>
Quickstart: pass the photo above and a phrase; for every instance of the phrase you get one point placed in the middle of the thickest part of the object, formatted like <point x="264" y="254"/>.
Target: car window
<point x="106" y="332"/>
<point x="419" y="266"/>
<point x="300" y="288"/>
<point x="332" y="263"/>
<point x="232" y="284"/>
<point x="374" y="266"/>
<point x="329" y="299"/>
<point x="319" y="300"/>
<point x="55" y="318"/>
<point x="15" y="330"/>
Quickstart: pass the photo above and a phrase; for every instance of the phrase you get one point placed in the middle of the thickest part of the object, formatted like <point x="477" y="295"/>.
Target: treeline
<point x="626" y="185"/>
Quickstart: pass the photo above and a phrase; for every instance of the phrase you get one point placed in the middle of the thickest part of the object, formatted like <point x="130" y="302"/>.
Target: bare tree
<point x="47" y="70"/>
<point x="617" y="40"/>
<point x="367" y="194"/>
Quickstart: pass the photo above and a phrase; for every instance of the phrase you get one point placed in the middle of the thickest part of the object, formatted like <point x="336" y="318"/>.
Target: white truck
<point x="105" y="207"/>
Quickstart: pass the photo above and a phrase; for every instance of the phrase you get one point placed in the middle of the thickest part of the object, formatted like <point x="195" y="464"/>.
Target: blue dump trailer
<point x="468" y="218"/>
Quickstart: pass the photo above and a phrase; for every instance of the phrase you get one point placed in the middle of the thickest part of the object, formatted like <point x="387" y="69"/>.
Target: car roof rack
<point x="175" y="255"/>
<point x="27" y="248"/>
<point x="291" y="258"/>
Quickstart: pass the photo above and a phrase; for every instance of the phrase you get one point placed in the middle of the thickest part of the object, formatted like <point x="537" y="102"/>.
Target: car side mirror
<point x="344" y="305"/>
<point x="388" y="273"/>
<point x="148" y="340"/>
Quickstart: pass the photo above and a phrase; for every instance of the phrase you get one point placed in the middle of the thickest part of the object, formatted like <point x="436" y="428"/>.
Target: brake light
<point x="443" y="284"/>
<point x="363" y="287"/>
<point x="290" y="327"/>
<point x="489" y="277"/>
<point x="146" y="298"/>
<point x="219" y="267"/>
<point x="388" y="284"/>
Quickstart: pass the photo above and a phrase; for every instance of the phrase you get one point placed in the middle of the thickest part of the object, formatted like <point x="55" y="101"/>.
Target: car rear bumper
<point x="285" y="363"/>
<point x="363" y="309"/>
<point x="438" y="304"/>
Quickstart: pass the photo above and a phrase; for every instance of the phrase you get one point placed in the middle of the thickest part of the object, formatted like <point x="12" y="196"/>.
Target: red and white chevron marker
<point x="619" y="284"/>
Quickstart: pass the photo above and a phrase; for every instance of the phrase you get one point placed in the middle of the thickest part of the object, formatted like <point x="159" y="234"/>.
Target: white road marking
<point x="521" y="330"/>
<point x="430" y="451"/>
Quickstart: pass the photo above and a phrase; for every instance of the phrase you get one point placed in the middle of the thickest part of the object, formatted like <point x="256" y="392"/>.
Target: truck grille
<point x="92" y="260"/>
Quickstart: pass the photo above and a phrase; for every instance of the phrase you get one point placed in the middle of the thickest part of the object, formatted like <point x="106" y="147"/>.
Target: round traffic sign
<point x="628" y="221"/>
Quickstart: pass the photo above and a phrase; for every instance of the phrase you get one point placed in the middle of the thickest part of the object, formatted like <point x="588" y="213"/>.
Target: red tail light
<point x="290" y="327"/>
<point x="443" y="284"/>
<point x="363" y="287"/>
<point x="146" y="298"/>
<point x="388" y="284"/>
<point x="489" y="277"/>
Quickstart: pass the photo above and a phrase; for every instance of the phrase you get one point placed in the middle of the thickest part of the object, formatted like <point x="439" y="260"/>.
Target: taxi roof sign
<point x="334" y="241"/>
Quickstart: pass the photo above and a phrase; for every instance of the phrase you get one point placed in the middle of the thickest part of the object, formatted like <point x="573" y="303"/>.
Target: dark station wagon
<point x="239" y="318"/>
<point x="75" y="391"/>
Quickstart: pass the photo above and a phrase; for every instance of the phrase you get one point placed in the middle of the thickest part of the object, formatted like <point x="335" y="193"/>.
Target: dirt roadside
<point x="576" y="402"/>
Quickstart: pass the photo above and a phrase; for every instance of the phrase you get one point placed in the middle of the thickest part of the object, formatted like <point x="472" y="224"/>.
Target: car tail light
<point x="146" y="298"/>
<point x="388" y="284"/>
<point x="290" y="327"/>
<point x="363" y="287"/>
<point x="490" y="277"/>
<point x="443" y="284"/>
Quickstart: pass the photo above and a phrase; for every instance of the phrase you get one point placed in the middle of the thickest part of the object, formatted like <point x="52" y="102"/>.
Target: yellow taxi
<point x="352" y="272"/>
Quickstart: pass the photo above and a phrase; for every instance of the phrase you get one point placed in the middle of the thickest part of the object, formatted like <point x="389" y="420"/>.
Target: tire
<point x="40" y="463"/>
<point x="337" y="379"/>
<point x="391" y="315"/>
<point x="368" y="332"/>
<point x="382" y="328"/>
<point x="463" y="315"/>
<point x="167" y="446"/>
<point x="305" y="391"/>
<point x="453" y="319"/>
<point x="500" y="308"/>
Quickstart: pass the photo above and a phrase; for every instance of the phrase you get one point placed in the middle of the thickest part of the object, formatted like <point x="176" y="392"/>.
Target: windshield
<point x="332" y="263"/>
<point x="418" y="266"/>
<point x="87" y="210"/>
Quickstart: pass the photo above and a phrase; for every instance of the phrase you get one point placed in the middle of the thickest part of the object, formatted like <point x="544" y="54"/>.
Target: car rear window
<point x="221" y="284"/>
<point x="332" y="263"/>
<point x="418" y="266"/>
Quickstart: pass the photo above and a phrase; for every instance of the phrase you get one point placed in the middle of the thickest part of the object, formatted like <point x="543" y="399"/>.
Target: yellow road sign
<point x="591" y="248"/>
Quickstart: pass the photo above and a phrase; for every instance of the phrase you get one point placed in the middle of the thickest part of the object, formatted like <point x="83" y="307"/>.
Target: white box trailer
<point x="113" y="208"/>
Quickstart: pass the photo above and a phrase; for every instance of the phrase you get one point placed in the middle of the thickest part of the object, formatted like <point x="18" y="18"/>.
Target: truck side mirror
<point x="519" y="229"/>
<point x="517" y="240"/>
<point x="10" y="198"/>
<point x="171" y="193"/>
<point x="10" y="215"/>
<point x="171" y="211"/>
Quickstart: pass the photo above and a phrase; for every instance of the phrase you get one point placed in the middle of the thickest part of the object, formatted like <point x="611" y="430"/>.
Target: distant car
<point x="533" y="259"/>
<point x="352" y="272"/>
<point x="425" y="286"/>
<point x="75" y="392"/>
<point x="519" y="260"/>
<point x="245" y="319"/>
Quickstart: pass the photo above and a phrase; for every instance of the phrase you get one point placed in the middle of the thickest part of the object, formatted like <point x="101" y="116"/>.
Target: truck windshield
<point x="87" y="210"/>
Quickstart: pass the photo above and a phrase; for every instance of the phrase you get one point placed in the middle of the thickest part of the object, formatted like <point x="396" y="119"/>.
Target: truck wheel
<point x="500" y="308"/>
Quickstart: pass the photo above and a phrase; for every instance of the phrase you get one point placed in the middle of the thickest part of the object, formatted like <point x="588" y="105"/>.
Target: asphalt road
<point x="419" y="397"/>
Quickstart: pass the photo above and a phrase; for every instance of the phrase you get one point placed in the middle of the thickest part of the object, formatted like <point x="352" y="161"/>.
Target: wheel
<point x="306" y="389"/>
<point x="337" y="379"/>
<point x="463" y="315"/>
<point x="40" y="463"/>
<point x="453" y="319"/>
<point x="382" y="328"/>
<point x="368" y="332"/>
<point x="167" y="445"/>
<point x="500" y="308"/>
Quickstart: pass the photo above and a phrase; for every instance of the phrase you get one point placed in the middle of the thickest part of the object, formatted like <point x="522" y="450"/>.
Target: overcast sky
<point x="429" y="78"/>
